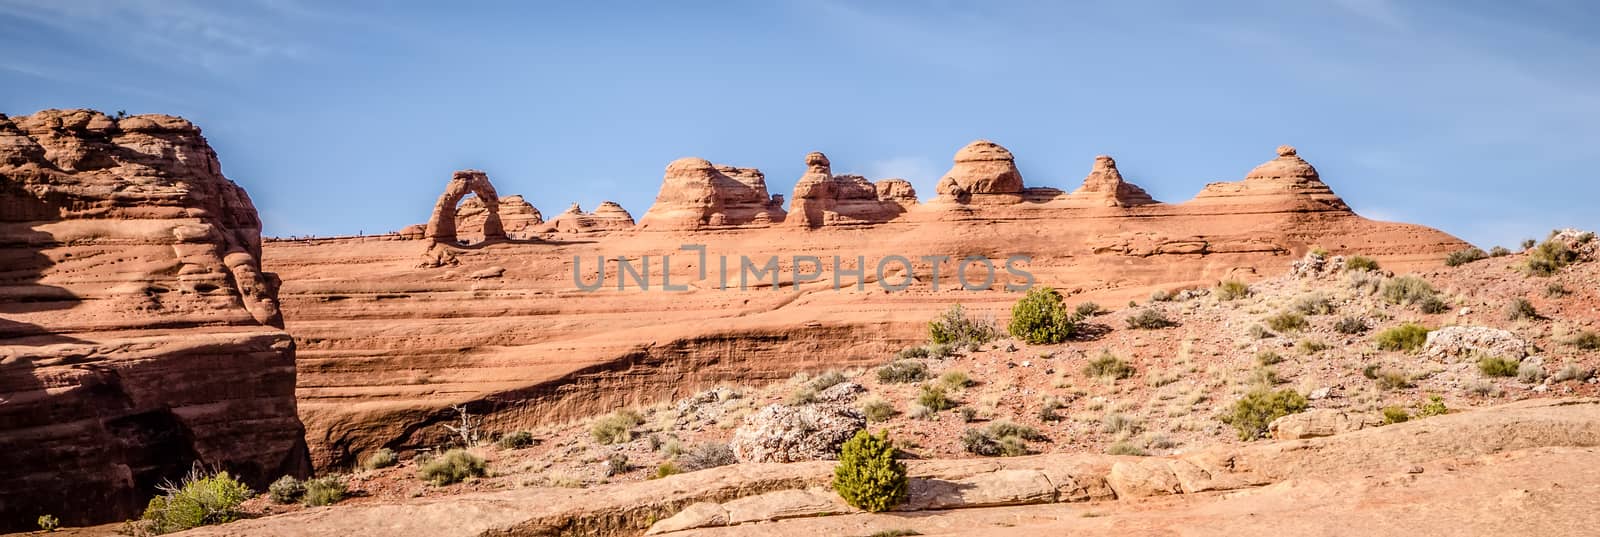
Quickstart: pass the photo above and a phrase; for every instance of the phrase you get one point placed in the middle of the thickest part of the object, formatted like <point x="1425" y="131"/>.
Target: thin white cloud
<point x="216" y="36"/>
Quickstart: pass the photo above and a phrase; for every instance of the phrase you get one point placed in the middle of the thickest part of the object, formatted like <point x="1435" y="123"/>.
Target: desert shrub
<point x="911" y="353"/>
<point x="920" y="412"/>
<point x="1041" y="318"/>
<point x="1530" y="372"/>
<point x="1260" y="332"/>
<point x="1124" y="448"/>
<point x="1572" y="372"/>
<point x="617" y="464"/>
<point x="955" y="380"/>
<point x="1251" y="414"/>
<point x="516" y="440"/>
<point x="452" y="467"/>
<point x="1499" y="251"/>
<point x="940" y="351"/>
<point x="666" y="469"/>
<point x="285" y="490"/>
<point x="325" y="490"/>
<point x="1310" y="346"/>
<point x="1264" y="376"/>
<point x="896" y="533"/>
<point x="955" y="327"/>
<point x="1407" y="337"/>
<point x="1150" y="319"/>
<point x="1434" y="407"/>
<point x="1313" y="304"/>
<point x="1047" y="409"/>
<point x="1001" y="438"/>
<point x="1432" y="305"/>
<point x="1087" y="309"/>
<point x="1108" y="366"/>
<point x="1350" y="325"/>
<point x="968" y="414"/>
<point x="1287" y="321"/>
<point x="1371" y="371"/>
<point x="1360" y="263"/>
<point x="877" y="409"/>
<point x="1495" y="366"/>
<point x="382" y="458"/>
<point x="1527" y="244"/>
<point x="1520" y="309"/>
<point x="48" y="523"/>
<point x="933" y="398"/>
<point x="825" y="380"/>
<point x="706" y="455"/>
<point x="1556" y="290"/>
<point x="1405" y="290"/>
<point x="1548" y="257"/>
<point x="1462" y="257"/>
<point x="1160" y="295"/>
<point x="1116" y="422"/>
<point x="1268" y="357"/>
<point x="1364" y="282"/>
<point x="1233" y="290"/>
<point x="1389" y="379"/>
<point x="616" y="428"/>
<point x="1585" y="340"/>
<point x="199" y="500"/>
<point x="868" y="477"/>
<point x="1394" y="414"/>
<point x="903" y="372"/>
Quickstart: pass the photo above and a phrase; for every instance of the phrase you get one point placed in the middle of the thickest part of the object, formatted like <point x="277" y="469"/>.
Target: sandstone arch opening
<point x="442" y="225"/>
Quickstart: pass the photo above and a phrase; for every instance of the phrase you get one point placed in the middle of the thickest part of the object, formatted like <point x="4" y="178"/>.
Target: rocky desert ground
<point x="1258" y="359"/>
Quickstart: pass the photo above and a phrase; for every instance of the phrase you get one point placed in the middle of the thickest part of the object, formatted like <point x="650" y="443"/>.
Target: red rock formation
<point x="1105" y="186"/>
<point x="822" y="198"/>
<point x="697" y="194"/>
<point x="138" y="334"/>
<point x="1287" y="181"/>
<point x="607" y="217"/>
<point x="442" y="225"/>
<point x="984" y="173"/>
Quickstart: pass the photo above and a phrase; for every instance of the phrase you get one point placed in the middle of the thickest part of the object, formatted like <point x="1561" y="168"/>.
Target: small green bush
<point x="1001" y="429"/>
<point x="382" y="458"/>
<point x="1350" y="325"/>
<point x="199" y="500"/>
<point x="48" y="523"/>
<point x="955" y="328"/>
<point x="1495" y="366"/>
<point x="1520" y="309"/>
<point x="877" y="410"/>
<point x="1001" y="438"/>
<point x="1394" y="380"/>
<point x="1041" y="318"/>
<point x="1548" y="258"/>
<point x="1462" y="257"/>
<point x="1310" y="346"/>
<point x="1287" y="321"/>
<point x="868" y="477"/>
<point x="1251" y="414"/>
<point x="1150" y="319"/>
<point x="1527" y="244"/>
<point x="616" y="428"/>
<point x="706" y="455"/>
<point x="1268" y="357"/>
<point x="1406" y="290"/>
<point x="933" y="398"/>
<point x="955" y="380"/>
<point x="1556" y="290"/>
<point x="1108" y="366"/>
<point x="285" y="490"/>
<point x="1499" y="251"/>
<point x="1407" y="337"/>
<point x="666" y="469"/>
<point x="1394" y="414"/>
<point x="516" y="440"/>
<point x="1087" y="309"/>
<point x="1362" y="263"/>
<point x="1260" y="332"/>
<point x="326" y="490"/>
<point x="617" y="464"/>
<point x="911" y="353"/>
<point x="903" y="372"/>
<point x="454" y="466"/>
<point x="1264" y="376"/>
<point x="1434" y="407"/>
<point x="1233" y="290"/>
<point x="1433" y="305"/>
<point x="1313" y="304"/>
<point x="1585" y="340"/>
<point x="1124" y="448"/>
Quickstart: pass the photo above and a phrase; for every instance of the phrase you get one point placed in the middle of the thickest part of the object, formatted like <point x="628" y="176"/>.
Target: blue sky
<point x="1477" y="117"/>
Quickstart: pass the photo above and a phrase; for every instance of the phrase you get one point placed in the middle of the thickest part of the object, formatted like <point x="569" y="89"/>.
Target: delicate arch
<point x="442" y="225"/>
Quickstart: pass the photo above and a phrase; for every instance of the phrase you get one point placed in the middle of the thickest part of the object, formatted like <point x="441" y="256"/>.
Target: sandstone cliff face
<point x="138" y="334"/>
<point x="697" y="194"/>
<point x="822" y="198"/>
<point x="1105" y="186"/>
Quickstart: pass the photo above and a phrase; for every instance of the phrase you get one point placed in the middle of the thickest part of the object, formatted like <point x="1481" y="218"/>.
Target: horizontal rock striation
<point x="138" y="333"/>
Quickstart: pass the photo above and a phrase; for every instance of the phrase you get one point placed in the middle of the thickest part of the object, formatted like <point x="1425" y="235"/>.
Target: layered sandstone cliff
<point x="822" y="198"/>
<point x="138" y="334"/>
<point x="697" y="194"/>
